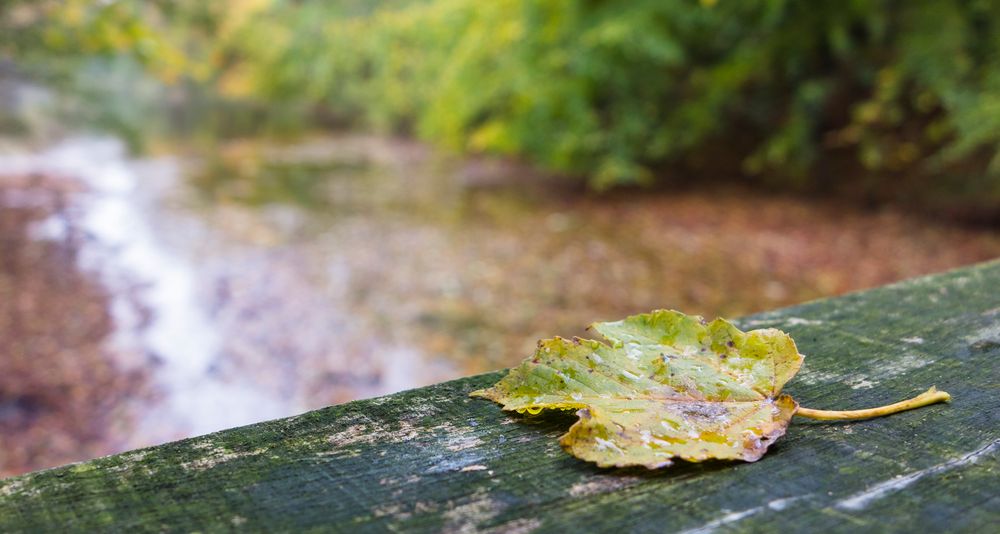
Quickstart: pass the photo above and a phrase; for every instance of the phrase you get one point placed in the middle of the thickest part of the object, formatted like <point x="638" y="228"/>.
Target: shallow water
<point x="265" y="280"/>
<point x="244" y="309"/>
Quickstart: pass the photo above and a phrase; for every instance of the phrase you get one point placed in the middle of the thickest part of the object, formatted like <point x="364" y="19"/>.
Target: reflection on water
<point x="248" y="301"/>
<point x="123" y="217"/>
<point x="267" y="280"/>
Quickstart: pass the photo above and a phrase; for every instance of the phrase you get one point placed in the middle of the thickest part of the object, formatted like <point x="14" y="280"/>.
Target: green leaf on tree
<point x="667" y="385"/>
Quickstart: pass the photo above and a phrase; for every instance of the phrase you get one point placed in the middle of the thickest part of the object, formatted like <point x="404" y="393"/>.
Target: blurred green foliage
<point x="884" y="94"/>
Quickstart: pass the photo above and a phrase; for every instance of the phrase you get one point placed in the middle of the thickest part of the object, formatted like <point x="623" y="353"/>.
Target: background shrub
<point x="889" y="98"/>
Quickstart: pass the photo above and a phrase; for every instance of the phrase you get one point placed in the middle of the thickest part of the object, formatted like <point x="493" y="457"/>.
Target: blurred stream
<point x="233" y="317"/>
<point x="122" y="200"/>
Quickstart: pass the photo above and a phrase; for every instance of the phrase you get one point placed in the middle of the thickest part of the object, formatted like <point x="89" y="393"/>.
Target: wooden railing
<point x="435" y="459"/>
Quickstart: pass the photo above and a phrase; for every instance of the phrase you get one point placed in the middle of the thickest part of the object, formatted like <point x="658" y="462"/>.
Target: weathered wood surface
<point x="434" y="459"/>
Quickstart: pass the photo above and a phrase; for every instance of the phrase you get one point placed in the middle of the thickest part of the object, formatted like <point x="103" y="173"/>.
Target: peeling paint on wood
<point x="435" y="460"/>
<point x="861" y="500"/>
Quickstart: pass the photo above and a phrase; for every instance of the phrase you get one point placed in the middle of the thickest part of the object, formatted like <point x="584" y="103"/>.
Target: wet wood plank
<point x="434" y="459"/>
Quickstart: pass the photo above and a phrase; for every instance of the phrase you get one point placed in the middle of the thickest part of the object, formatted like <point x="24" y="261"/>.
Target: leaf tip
<point x="481" y="393"/>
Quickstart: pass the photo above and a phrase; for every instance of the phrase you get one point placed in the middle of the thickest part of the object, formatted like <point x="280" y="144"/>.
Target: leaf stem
<point x="930" y="396"/>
